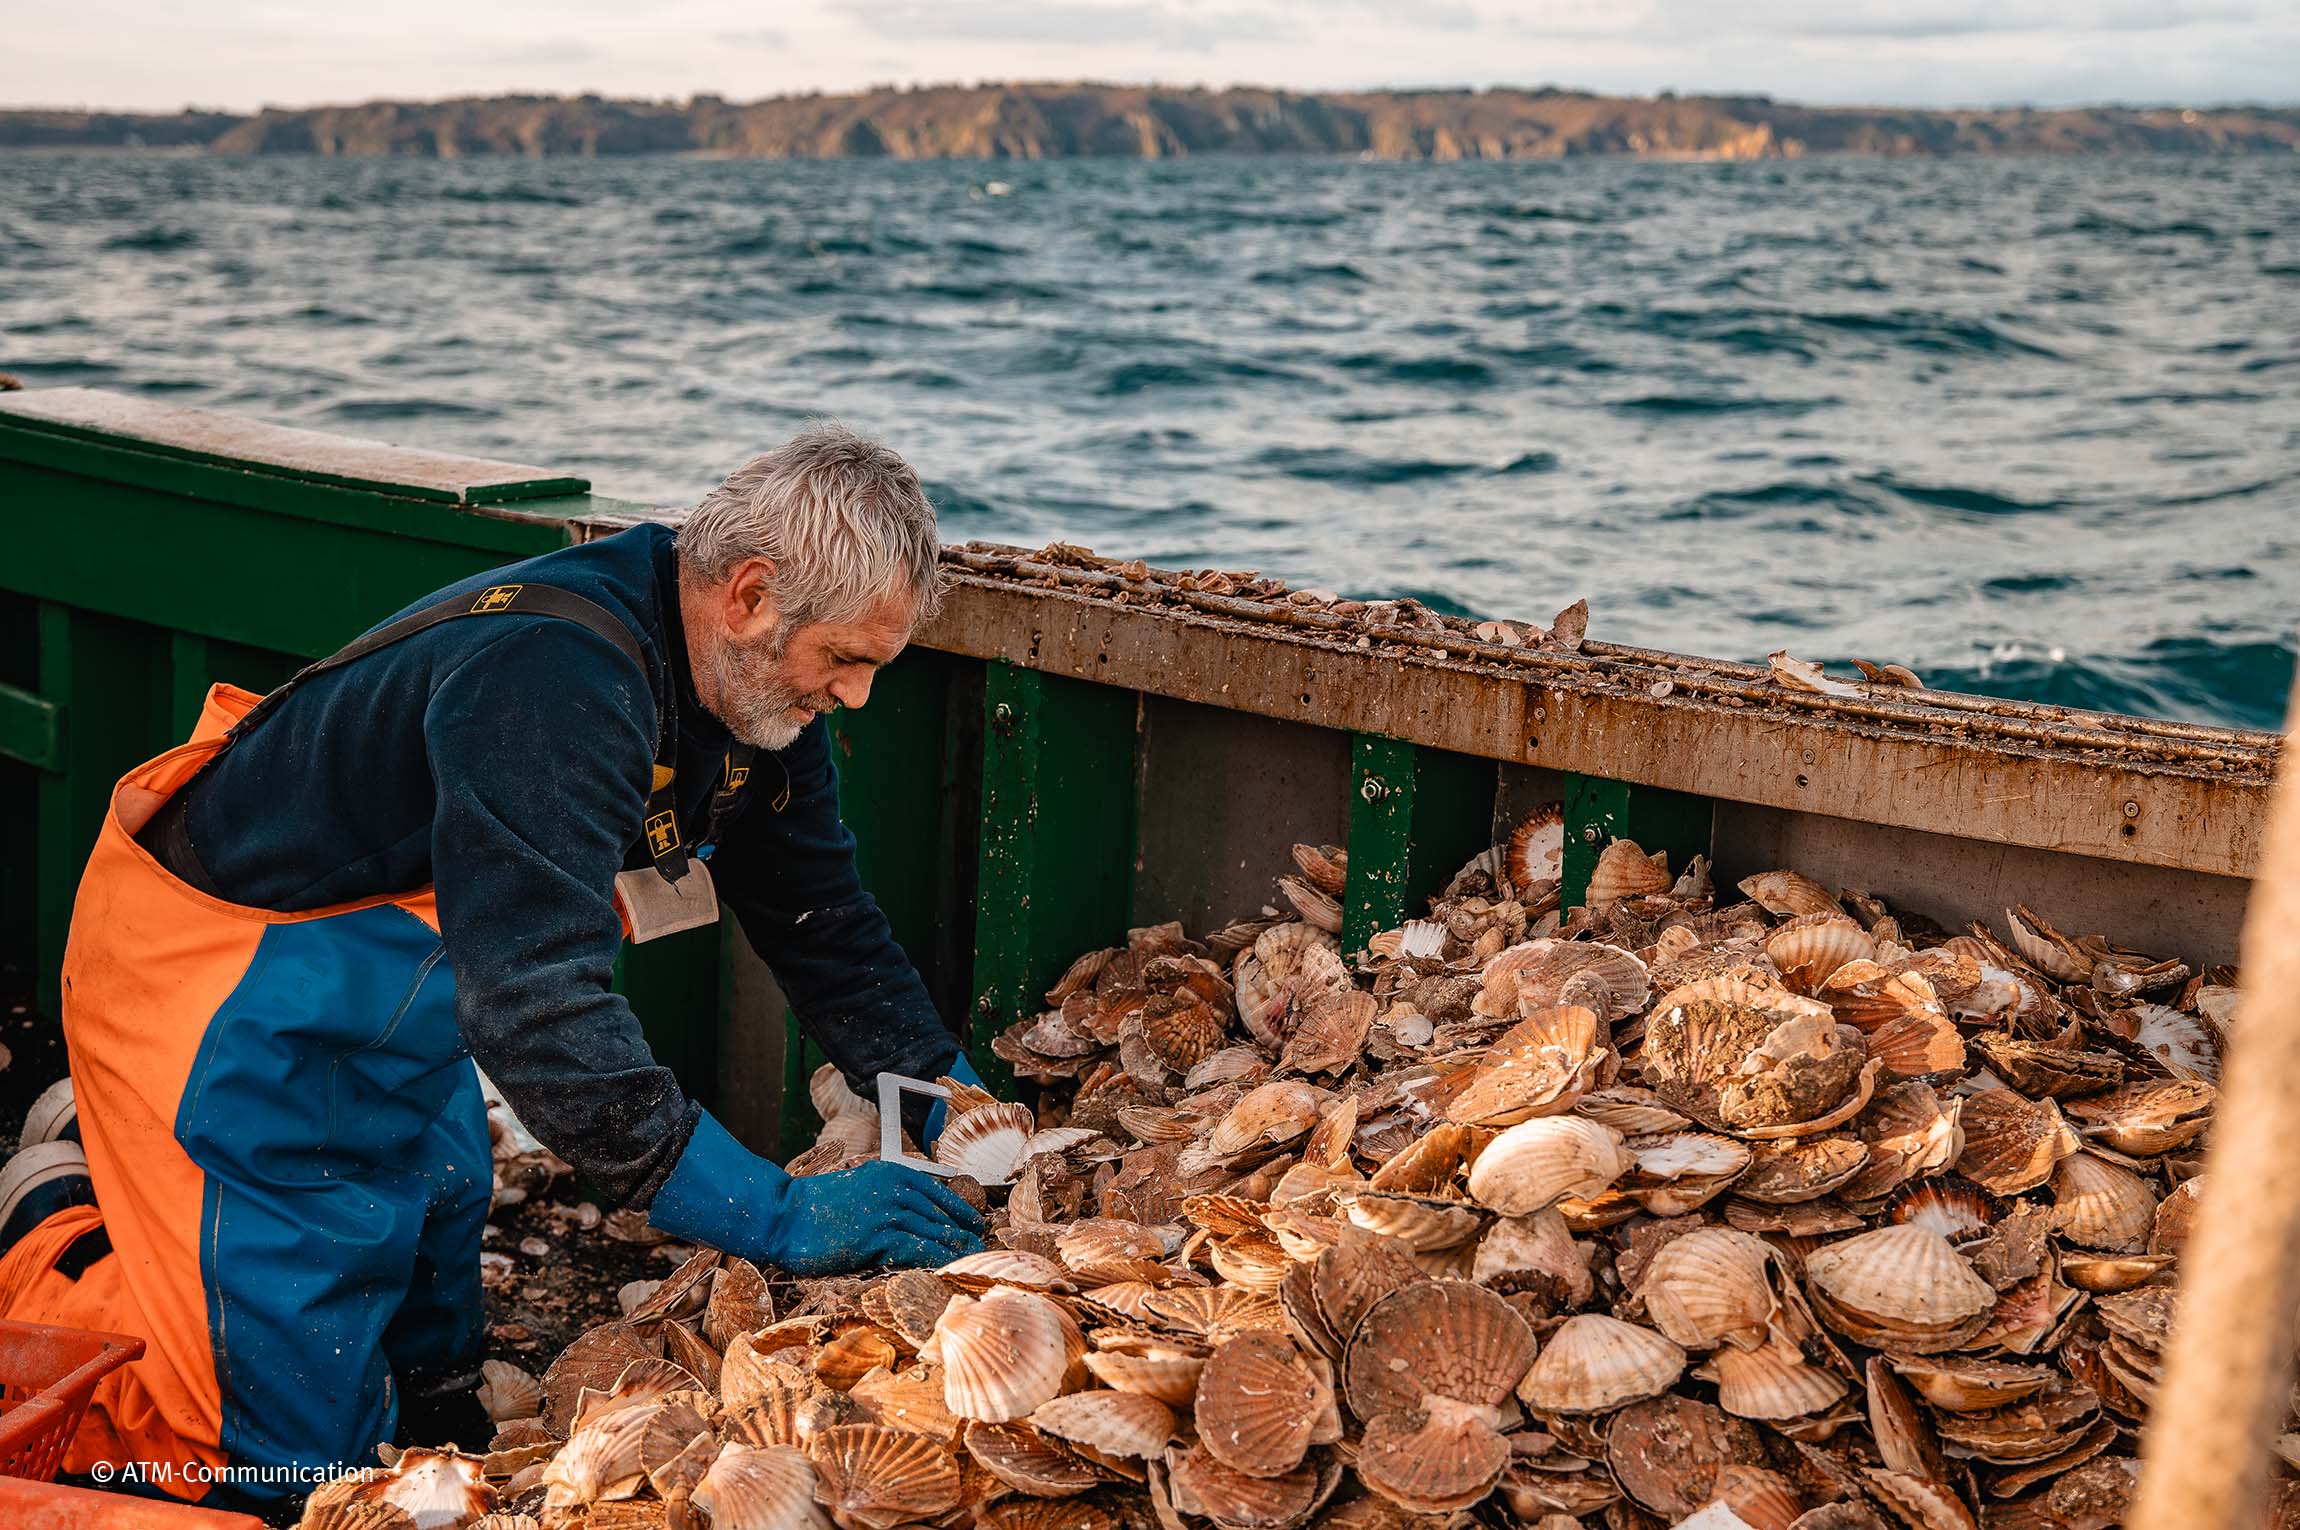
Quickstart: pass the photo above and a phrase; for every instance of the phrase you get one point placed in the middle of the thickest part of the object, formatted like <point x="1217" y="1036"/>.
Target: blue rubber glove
<point x="722" y="1194"/>
<point x="963" y="1071"/>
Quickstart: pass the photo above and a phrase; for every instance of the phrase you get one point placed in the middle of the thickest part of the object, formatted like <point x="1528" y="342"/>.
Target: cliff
<point x="1044" y="121"/>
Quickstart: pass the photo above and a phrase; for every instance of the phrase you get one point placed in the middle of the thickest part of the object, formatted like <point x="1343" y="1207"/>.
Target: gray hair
<point x="843" y="518"/>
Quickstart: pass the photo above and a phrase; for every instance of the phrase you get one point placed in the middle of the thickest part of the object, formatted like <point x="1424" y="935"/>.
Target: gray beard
<point x="753" y="698"/>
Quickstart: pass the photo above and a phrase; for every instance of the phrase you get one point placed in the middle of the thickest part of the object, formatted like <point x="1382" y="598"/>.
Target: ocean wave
<point x="2245" y="683"/>
<point x="156" y="239"/>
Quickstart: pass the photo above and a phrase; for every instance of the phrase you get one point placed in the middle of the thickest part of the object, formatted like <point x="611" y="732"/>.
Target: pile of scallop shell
<point x="1784" y="1209"/>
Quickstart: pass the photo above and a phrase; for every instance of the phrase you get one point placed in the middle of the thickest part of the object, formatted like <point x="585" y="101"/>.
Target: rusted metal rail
<point x="2120" y="788"/>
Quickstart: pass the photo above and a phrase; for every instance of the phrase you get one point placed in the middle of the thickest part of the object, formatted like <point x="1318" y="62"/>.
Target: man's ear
<point x="749" y="610"/>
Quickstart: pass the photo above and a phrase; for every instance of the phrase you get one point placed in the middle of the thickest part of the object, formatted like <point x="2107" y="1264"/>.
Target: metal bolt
<point x="1003" y="713"/>
<point x="2132" y="810"/>
<point x="1808" y="756"/>
<point x="1589" y="835"/>
<point x="1373" y="788"/>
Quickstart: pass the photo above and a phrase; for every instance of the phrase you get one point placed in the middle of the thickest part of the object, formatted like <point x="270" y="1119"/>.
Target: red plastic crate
<point x="45" y="1506"/>
<point x="47" y="1376"/>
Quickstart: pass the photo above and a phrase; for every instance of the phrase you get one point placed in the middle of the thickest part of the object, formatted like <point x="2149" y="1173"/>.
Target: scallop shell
<point x="1043" y="1514"/>
<point x="874" y="1478"/>
<point x="1631" y="1111"/>
<point x="738" y="1303"/>
<point x="1005" y="1267"/>
<point x="1001" y="1355"/>
<point x="1444" y="1458"/>
<point x="1917" y="1044"/>
<point x="1949" y="1204"/>
<point x="1181" y="1029"/>
<point x="2045" y="948"/>
<point x="1535" y="851"/>
<point x="603" y="1459"/>
<point x="1437" y="1338"/>
<point x="2186" y="1046"/>
<point x="1771" y="1381"/>
<point x="1420" y="940"/>
<point x="1711" y="1286"/>
<point x="1314" y="905"/>
<point x="1680" y="1172"/>
<point x="1329" y="1033"/>
<point x="1113" y="1423"/>
<point x="1789" y="894"/>
<point x="1540" y="1066"/>
<point x="506" y="1392"/>
<point x="2101" y="1206"/>
<point x="354" y="1514"/>
<point x="850" y="1356"/>
<point x="1272" y="1113"/>
<point x="2011" y="1141"/>
<point x="1906" y="1277"/>
<point x="1811" y="946"/>
<point x="1204" y="1486"/>
<point x="1625" y="871"/>
<point x="1262" y="1403"/>
<point x="1666" y="1451"/>
<point x="1288" y="967"/>
<point x="2108" y="1273"/>
<point x="1800" y="1169"/>
<point x="760" y="1488"/>
<point x="1542" y="974"/>
<point x="1963" y="1385"/>
<point x="1737" y="1053"/>
<point x="1594" y="1364"/>
<point x="2146" y="1118"/>
<point x="1761" y="1499"/>
<point x="1540" y="1162"/>
<point x="1325" y="867"/>
<point x="1029" y="1461"/>
<point x="1427" y="1224"/>
<point x="594" y="1360"/>
<point x="1167" y="1374"/>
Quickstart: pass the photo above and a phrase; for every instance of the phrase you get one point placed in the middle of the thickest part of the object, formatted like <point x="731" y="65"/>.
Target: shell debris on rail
<point x="1768" y="1206"/>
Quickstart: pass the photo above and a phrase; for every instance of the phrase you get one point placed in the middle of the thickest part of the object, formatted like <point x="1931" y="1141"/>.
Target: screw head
<point x="1589" y="835"/>
<point x="2132" y="810"/>
<point x="1373" y="788"/>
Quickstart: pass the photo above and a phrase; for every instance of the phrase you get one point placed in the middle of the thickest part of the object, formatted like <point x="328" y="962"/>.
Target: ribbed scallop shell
<point x="1030" y="1462"/>
<point x="1680" y="1171"/>
<point x="1711" y="1286"/>
<point x="323" y="1513"/>
<point x="1789" y="894"/>
<point x="2011" y="1141"/>
<point x="872" y="1478"/>
<point x="1042" y="1514"/>
<point x="1540" y="1066"/>
<point x="1272" y="1113"/>
<point x="2100" y="1205"/>
<point x="2045" y="948"/>
<point x="1329" y="1033"/>
<point x="1905" y="1274"/>
<point x="1594" y="1364"/>
<point x="1288" y="967"/>
<point x="506" y="1392"/>
<point x="1262" y="1403"/>
<point x="1001" y="1355"/>
<point x="1762" y="1499"/>
<point x="1443" y="1338"/>
<point x="760" y="1488"/>
<point x="1114" y="1423"/>
<point x="1416" y="940"/>
<point x="1168" y="1375"/>
<point x="1540" y="1162"/>
<point x="1535" y="1252"/>
<point x="1325" y="867"/>
<point x="1005" y="1267"/>
<point x="1961" y="1384"/>
<point x="1181" y="1029"/>
<point x="1316" y="907"/>
<point x="1203" y="1486"/>
<point x="986" y="1143"/>
<point x="1625" y="871"/>
<point x="2105" y="1274"/>
<point x="738" y="1304"/>
<point x="1432" y="1462"/>
<point x="1536" y="849"/>
<point x="1771" y="1381"/>
<point x="1427" y="1224"/>
<point x="1103" y="1240"/>
<point x="2146" y="1118"/>
<point x="1541" y="974"/>
<point x="1916" y="1044"/>
<point x="603" y="1459"/>
<point x="1800" y="1169"/>
<point x="1811" y="946"/>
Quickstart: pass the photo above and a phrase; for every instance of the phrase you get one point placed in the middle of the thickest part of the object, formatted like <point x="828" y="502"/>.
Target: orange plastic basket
<point x="47" y="1376"/>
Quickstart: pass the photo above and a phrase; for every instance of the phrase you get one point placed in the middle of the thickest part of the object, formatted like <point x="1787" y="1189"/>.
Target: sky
<point x="240" y="54"/>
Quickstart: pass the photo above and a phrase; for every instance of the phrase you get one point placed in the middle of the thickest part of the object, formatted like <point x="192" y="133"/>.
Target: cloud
<point x="1069" y="21"/>
<point x="756" y="37"/>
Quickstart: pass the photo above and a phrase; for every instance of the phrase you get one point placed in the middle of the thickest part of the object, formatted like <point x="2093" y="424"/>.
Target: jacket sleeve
<point x="540" y="755"/>
<point x="790" y="876"/>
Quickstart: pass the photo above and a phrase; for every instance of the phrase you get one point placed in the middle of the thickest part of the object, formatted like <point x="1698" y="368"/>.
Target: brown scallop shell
<point x="1709" y="1287"/>
<point x="1625" y="871"/>
<point x="2101" y="1206"/>
<point x="506" y="1392"/>
<point x="1535" y="1253"/>
<point x="1425" y="1223"/>
<point x="850" y="1356"/>
<point x="1535" y="850"/>
<point x="1269" y="1114"/>
<point x="1325" y="867"/>
<point x="594" y="1361"/>
<point x="1202" y="1485"/>
<point x="1789" y="894"/>
<point x="1763" y="1500"/>
<point x="1794" y="1169"/>
<point x="1005" y="1267"/>
<point x="1771" y="1381"/>
<point x="1961" y="1384"/>
<point x="739" y="1302"/>
<point x="1899" y="1288"/>
<point x="1444" y="1338"/>
<point x="760" y="1488"/>
<point x="2146" y="1118"/>
<point x="1809" y="947"/>
<point x="1666" y="1451"/>
<point x="1111" y="1423"/>
<point x="1181" y="1029"/>
<point x="1029" y="1461"/>
<point x="2011" y="1141"/>
<point x="1043" y="1514"/>
<point x="1536" y="1163"/>
<point x="1330" y="1033"/>
<point x="1001" y="1355"/>
<point x="1262" y="1403"/>
<point x="873" y="1478"/>
<point x="1435" y="1461"/>
<point x="1540" y="1066"/>
<point x="2175" y="1215"/>
<point x="1546" y="973"/>
<point x="354" y="1514"/>
<point x="1594" y="1364"/>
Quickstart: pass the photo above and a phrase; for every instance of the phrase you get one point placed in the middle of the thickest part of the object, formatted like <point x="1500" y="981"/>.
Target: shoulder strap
<point x="525" y="599"/>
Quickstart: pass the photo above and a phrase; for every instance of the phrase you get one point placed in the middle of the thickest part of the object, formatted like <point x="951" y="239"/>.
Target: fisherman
<point x="299" y="931"/>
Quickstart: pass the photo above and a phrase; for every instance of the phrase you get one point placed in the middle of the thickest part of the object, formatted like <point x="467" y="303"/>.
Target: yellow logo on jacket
<point x="497" y="597"/>
<point x="663" y="833"/>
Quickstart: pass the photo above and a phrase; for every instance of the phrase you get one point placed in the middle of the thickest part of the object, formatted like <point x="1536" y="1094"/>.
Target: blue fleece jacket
<point x="506" y="760"/>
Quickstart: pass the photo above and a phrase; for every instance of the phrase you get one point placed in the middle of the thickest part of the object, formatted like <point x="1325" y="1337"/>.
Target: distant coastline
<point x="1051" y="121"/>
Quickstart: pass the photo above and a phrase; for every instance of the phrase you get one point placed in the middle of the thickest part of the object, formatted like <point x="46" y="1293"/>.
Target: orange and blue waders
<point x="287" y="1141"/>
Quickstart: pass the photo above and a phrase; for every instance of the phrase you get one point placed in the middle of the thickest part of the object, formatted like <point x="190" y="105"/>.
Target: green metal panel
<point x="1056" y="861"/>
<point x="31" y="729"/>
<point x="1598" y="811"/>
<point x="1415" y="816"/>
<point x="105" y="678"/>
<point x="673" y="985"/>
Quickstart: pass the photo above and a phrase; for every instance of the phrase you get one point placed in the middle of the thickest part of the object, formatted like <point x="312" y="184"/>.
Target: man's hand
<point x="722" y="1194"/>
<point x="876" y="1213"/>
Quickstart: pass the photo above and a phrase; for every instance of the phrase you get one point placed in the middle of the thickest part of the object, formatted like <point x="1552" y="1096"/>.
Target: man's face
<point x="766" y="682"/>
